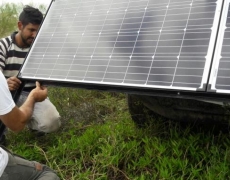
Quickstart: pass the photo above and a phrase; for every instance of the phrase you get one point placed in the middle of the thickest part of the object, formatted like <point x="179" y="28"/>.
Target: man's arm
<point x="18" y="117"/>
<point x="13" y="82"/>
<point x="4" y="42"/>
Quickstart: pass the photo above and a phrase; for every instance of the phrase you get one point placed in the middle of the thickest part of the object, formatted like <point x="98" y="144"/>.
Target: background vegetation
<point x="99" y="141"/>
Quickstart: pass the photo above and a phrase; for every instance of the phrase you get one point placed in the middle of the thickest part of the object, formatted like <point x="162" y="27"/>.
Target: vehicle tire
<point x="140" y="114"/>
<point x="142" y="108"/>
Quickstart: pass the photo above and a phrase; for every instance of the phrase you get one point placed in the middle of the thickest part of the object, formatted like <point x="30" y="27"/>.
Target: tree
<point x="8" y="18"/>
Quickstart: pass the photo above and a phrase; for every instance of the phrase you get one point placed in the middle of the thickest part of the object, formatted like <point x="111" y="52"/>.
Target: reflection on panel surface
<point x="220" y="75"/>
<point x="143" y="43"/>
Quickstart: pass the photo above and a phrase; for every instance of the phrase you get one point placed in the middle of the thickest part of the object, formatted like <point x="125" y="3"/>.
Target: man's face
<point x="28" y="33"/>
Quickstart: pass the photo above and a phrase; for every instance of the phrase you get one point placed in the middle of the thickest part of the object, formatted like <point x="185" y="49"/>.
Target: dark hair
<point x="30" y="15"/>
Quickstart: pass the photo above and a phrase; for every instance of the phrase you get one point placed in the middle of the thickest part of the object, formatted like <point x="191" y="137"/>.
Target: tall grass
<point x="99" y="141"/>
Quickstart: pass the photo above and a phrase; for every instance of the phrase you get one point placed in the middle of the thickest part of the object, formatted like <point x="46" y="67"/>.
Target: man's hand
<point x="13" y="83"/>
<point x="39" y="93"/>
<point x="18" y="117"/>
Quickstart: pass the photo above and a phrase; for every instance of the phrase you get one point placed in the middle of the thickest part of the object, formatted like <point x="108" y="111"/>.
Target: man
<point x="13" y="50"/>
<point x="13" y="166"/>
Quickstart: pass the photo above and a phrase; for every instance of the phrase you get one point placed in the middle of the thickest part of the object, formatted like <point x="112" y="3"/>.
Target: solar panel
<point x="220" y="76"/>
<point x="150" y="44"/>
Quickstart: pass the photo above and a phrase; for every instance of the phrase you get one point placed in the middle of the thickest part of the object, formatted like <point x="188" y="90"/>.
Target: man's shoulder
<point x="6" y="41"/>
<point x="6" y="37"/>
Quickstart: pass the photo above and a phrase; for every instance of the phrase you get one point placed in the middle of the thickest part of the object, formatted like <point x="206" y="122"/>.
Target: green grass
<point x="98" y="140"/>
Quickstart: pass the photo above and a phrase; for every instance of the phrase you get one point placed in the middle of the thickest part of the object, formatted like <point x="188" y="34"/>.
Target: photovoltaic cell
<point x="220" y="76"/>
<point x="139" y="43"/>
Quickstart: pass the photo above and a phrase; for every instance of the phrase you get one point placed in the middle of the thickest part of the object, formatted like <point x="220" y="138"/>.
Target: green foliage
<point x="8" y="19"/>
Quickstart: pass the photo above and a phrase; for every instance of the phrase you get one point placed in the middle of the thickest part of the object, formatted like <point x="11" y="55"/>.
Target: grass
<point x="98" y="140"/>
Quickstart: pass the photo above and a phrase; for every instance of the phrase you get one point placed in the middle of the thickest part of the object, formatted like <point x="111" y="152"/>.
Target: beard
<point x="27" y="41"/>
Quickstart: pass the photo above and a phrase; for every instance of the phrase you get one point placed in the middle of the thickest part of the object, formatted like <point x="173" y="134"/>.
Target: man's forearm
<point x="27" y="108"/>
<point x="18" y="117"/>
